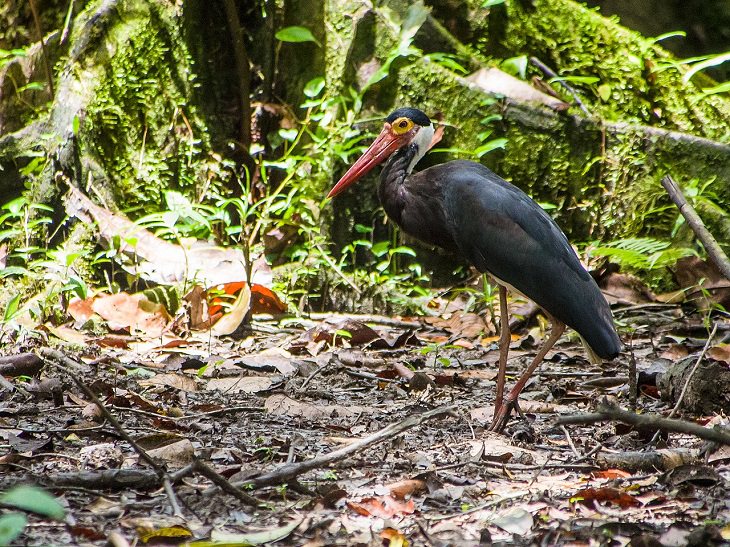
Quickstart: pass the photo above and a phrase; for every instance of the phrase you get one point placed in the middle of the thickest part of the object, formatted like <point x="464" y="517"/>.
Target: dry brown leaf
<point x="243" y="384"/>
<point x="281" y="405"/>
<point x="588" y="496"/>
<point x="409" y="487"/>
<point x="176" y="381"/>
<point x="135" y="312"/>
<point x="235" y="315"/>
<point x="720" y="352"/>
<point x="81" y="310"/>
<point x="177" y="454"/>
<point x="384" y="507"/>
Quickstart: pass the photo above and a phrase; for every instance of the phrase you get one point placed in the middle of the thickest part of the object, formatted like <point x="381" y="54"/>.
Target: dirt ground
<point x="297" y="389"/>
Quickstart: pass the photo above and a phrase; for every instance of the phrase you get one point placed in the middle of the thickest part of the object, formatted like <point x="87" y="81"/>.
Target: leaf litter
<point x="279" y="397"/>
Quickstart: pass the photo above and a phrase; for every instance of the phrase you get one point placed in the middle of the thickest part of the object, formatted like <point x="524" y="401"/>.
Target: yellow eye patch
<point x="401" y="125"/>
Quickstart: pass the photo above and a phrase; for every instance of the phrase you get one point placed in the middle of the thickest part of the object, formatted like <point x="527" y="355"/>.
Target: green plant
<point x="26" y="498"/>
<point x="643" y="253"/>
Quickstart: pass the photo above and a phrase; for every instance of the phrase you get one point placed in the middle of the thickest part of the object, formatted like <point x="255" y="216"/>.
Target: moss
<point x="139" y="127"/>
<point x="645" y="85"/>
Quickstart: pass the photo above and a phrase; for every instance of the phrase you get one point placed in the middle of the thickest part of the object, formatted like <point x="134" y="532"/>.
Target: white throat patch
<point x="422" y="140"/>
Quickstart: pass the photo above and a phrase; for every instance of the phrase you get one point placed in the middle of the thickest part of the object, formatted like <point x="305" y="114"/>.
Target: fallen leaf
<point x="134" y="312"/>
<point x="175" y="381"/>
<point x="281" y="405"/>
<point x="514" y="520"/>
<point x="611" y="474"/>
<point x="588" y="496"/>
<point x="251" y="538"/>
<point x="384" y="507"/>
<point x="720" y="352"/>
<point x="401" y="489"/>
<point x="243" y="384"/>
<point x="177" y="454"/>
<point x="235" y="315"/>
<point x="394" y="538"/>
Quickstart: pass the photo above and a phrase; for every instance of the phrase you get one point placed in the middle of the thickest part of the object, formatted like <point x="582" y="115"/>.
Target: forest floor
<point x="257" y="409"/>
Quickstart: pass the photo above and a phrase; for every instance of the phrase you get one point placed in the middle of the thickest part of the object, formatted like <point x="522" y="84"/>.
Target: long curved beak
<point x="386" y="143"/>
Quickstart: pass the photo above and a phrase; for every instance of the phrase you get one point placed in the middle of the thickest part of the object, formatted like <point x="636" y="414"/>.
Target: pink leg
<point x="504" y="340"/>
<point x="503" y="412"/>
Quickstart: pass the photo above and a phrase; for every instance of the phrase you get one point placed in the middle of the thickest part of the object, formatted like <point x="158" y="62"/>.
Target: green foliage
<point x="296" y="34"/>
<point x="35" y="500"/>
<point x="11" y="526"/>
<point x="642" y="253"/>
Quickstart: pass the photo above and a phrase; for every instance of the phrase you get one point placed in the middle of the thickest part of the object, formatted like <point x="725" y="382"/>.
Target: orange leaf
<point x="383" y="507"/>
<point x="606" y="494"/>
<point x="394" y="537"/>
<point x="611" y="474"/>
<point x="265" y="300"/>
<point x="399" y="490"/>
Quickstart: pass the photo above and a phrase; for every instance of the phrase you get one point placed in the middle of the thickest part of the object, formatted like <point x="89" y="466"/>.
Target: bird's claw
<point x="502" y="414"/>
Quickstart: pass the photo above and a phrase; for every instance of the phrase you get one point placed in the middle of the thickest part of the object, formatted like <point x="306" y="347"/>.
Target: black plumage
<point x="464" y="207"/>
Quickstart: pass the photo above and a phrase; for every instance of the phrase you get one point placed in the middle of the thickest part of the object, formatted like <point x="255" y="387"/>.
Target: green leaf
<point x="489" y="146"/>
<point x="296" y="35"/>
<point x="707" y="63"/>
<point x="380" y="248"/>
<point x="490" y="3"/>
<point x="12" y="270"/>
<point x="11" y="526"/>
<point x="587" y="80"/>
<point x="35" y="500"/>
<point x="722" y="88"/>
<point x="604" y="92"/>
<point x="516" y="66"/>
<point x="314" y="87"/>
<point x="11" y="308"/>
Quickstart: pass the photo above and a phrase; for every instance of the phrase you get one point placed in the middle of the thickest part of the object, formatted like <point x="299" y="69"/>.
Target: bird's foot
<point x="503" y="413"/>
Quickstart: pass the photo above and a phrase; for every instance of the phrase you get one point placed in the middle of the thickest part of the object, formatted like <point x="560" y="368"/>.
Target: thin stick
<point x="289" y="471"/>
<point x="609" y="412"/>
<point x="692" y="372"/>
<point x="221" y="482"/>
<point x="551" y="73"/>
<point x="714" y="251"/>
<point x="159" y="469"/>
<point x="46" y="61"/>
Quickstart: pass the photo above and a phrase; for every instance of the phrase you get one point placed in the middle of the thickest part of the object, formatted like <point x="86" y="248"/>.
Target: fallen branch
<point x="609" y="412"/>
<point x="648" y="461"/>
<point x="160" y="470"/>
<point x="224" y="484"/>
<point x="291" y="470"/>
<point x="714" y="251"/>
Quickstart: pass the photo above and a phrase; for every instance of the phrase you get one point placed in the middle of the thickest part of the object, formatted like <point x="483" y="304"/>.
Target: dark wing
<point x="504" y="232"/>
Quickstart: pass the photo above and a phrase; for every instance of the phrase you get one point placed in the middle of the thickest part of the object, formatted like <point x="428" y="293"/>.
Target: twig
<point x="367" y="318"/>
<point x="609" y="412"/>
<point x="289" y="471"/>
<point x="714" y="251"/>
<point x="167" y="483"/>
<point x="551" y="73"/>
<point x="224" y="484"/>
<point x="46" y="60"/>
<point x="337" y="269"/>
<point x="692" y="372"/>
<point x="570" y="441"/>
<point x="159" y="469"/>
<point x="316" y="372"/>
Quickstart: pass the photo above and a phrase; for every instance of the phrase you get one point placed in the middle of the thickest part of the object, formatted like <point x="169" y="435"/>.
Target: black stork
<point x="464" y="207"/>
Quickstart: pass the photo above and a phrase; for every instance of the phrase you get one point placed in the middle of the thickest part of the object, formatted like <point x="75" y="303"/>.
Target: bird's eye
<point x="401" y="125"/>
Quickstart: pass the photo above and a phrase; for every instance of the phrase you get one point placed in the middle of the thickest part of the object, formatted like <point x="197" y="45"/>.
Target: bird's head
<point x="403" y="127"/>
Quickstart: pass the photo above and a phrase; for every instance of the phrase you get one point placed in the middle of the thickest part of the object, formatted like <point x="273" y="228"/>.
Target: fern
<point x="643" y="253"/>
